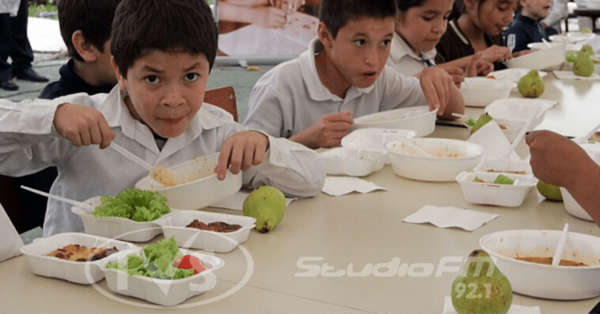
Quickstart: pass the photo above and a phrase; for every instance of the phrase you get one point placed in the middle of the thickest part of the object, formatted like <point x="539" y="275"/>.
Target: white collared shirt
<point x="405" y="60"/>
<point x="290" y="97"/>
<point x="29" y="143"/>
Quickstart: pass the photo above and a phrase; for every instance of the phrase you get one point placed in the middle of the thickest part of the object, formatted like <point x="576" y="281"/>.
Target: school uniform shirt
<point x="404" y="60"/>
<point x="525" y="30"/>
<point x="290" y="97"/>
<point x="455" y="45"/>
<point x="29" y="143"/>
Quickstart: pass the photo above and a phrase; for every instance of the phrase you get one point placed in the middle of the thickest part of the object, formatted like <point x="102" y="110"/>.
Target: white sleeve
<point x="291" y="167"/>
<point x="265" y="112"/>
<point x="558" y="11"/>
<point x="400" y="91"/>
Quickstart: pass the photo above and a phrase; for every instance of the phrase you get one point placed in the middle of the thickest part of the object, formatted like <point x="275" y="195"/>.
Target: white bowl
<point x="418" y="118"/>
<point x="550" y="58"/>
<point x="161" y="291"/>
<point x="198" y="193"/>
<point x="495" y="194"/>
<point x="84" y="273"/>
<point x="546" y="281"/>
<point x="481" y="91"/>
<point x="353" y="162"/>
<point x="541" y="45"/>
<point x="222" y="242"/>
<point x="115" y="227"/>
<point x="572" y="37"/>
<point x="518" y="109"/>
<point x="439" y="167"/>
<point x="573" y="207"/>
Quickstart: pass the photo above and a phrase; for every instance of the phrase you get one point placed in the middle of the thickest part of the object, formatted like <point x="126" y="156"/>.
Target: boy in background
<point x="526" y="27"/>
<point x="85" y="26"/>
<point x="163" y="51"/>
<point x="313" y="99"/>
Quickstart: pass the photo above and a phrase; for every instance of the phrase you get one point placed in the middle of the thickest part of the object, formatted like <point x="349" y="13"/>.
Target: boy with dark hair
<point x="312" y="99"/>
<point x="155" y="112"/>
<point x="527" y="27"/>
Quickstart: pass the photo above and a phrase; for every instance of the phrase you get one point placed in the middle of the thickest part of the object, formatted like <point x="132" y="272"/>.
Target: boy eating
<point x="163" y="51"/>
<point x="313" y="99"/>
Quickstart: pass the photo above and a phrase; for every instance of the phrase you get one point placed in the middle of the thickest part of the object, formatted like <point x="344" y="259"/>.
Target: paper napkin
<point x="514" y="308"/>
<point x="446" y="217"/>
<point x="337" y="186"/>
<point x="569" y="75"/>
<point x="10" y="241"/>
<point x="236" y="201"/>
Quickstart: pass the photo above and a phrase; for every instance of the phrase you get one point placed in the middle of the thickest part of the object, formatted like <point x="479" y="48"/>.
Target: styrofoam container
<point x="115" y="227"/>
<point x="198" y="193"/>
<point x="222" y="242"/>
<point x="161" y="291"/>
<point x="521" y="167"/>
<point x="573" y="207"/>
<point x="481" y="91"/>
<point x="84" y="273"/>
<point x="546" y="281"/>
<point x="418" y="118"/>
<point x="353" y="162"/>
<point x="449" y="158"/>
<point x="511" y="127"/>
<point x="495" y="194"/>
<point x="518" y="109"/>
<point x="375" y="139"/>
<point x="550" y="58"/>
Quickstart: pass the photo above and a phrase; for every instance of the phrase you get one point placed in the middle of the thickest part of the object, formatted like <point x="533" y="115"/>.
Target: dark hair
<point x="93" y="17"/>
<point x="404" y="5"/>
<point x="336" y="13"/>
<point x="166" y="25"/>
<point x="458" y="8"/>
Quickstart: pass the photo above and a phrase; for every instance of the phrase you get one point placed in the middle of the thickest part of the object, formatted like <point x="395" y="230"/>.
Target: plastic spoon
<point x="66" y="200"/>
<point x="546" y="42"/>
<point x="560" y="248"/>
<point x="161" y="175"/>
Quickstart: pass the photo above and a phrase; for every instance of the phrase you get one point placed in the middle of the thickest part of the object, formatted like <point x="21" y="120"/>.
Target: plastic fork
<point x="560" y="248"/>
<point x="510" y="42"/>
<point x="62" y="199"/>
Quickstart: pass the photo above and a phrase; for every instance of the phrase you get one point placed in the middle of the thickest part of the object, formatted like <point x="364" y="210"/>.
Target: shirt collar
<point x="400" y="48"/>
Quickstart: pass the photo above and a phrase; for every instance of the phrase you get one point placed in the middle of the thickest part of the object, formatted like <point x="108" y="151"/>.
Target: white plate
<point x="353" y="162"/>
<point x="569" y="75"/>
<point x="161" y="291"/>
<point x="513" y="75"/>
<point x="222" y="242"/>
<point x="84" y="273"/>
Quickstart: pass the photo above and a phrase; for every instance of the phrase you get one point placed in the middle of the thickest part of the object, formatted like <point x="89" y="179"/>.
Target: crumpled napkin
<point x="10" y="240"/>
<point x="337" y="186"/>
<point x="514" y="308"/>
<point x="236" y="201"/>
<point x="446" y="217"/>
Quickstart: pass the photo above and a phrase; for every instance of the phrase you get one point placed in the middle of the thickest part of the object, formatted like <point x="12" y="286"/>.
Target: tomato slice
<point x="189" y="262"/>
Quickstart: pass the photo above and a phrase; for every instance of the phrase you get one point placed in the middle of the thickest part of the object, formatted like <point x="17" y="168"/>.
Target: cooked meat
<point x="81" y="253"/>
<point x="217" y="226"/>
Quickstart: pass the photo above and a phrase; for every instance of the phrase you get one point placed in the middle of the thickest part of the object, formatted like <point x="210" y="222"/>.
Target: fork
<point x="510" y="42"/>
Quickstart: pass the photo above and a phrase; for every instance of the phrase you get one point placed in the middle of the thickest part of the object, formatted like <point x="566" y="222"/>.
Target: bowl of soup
<point x="525" y="258"/>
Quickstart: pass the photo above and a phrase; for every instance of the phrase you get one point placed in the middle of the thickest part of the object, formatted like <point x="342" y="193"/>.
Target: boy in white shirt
<point x="163" y="51"/>
<point x="313" y="99"/>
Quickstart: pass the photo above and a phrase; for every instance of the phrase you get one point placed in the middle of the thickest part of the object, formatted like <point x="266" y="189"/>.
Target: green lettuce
<point x="502" y="179"/>
<point x="137" y="205"/>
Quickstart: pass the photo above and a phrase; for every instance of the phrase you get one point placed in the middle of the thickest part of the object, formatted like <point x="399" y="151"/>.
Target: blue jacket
<point x="524" y="30"/>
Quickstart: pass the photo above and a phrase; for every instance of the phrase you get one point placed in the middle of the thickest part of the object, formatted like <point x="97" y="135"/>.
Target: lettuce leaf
<point x="137" y="205"/>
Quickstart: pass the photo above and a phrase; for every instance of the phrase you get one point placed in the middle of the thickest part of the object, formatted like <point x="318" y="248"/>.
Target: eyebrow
<point x="151" y="69"/>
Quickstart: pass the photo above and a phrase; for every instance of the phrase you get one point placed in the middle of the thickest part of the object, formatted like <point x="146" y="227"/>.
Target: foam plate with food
<point x="166" y="292"/>
<point x="487" y="188"/>
<point x="514" y="251"/>
<point x="81" y="272"/>
<point x="418" y="118"/>
<point x="480" y="91"/>
<point x="353" y="162"/>
<point x="217" y="241"/>
<point x="115" y="227"/>
<point x="197" y="185"/>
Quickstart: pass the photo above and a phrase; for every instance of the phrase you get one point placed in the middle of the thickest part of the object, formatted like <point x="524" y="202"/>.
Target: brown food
<point x="81" y="253"/>
<point x="548" y="261"/>
<point x="217" y="226"/>
<point x="513" y="172"/>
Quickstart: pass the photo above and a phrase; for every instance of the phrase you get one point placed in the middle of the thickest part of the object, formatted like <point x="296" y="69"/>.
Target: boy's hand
<point x="82" y="125"/>
<point x="327" y="131"/>
<point x="241" y="151"/>
<point x="457" y="74"/>
<point x="269" y="17"/>
<point x="437" y="87"/>
<point x="478" y="66"/>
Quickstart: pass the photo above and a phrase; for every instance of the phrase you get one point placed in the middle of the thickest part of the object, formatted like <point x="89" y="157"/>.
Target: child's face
<point x="165" y="90"/>
<point x="422" y="27"/>
<point x="491" y="16"/>
<point x="536" y="9"/>
<point x="360" y="50"/>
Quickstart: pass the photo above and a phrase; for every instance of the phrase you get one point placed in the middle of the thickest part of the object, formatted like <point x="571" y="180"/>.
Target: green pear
<point x="587" y="49"/>
<point x="481" y="287"/>
<point x="549" y="191"/>
<point x="483" y="120"/>
<point x="583" y="65"/>
<point x="531" y="84"/>
<point x="267" y="205"/>
<point x="586" y="30"/>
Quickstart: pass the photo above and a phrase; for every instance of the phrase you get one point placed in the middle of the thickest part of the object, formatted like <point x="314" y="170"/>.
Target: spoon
<point x="161" y="175"/>
<point x="56" y="197"/>
<point x="560" y="248"/>
<point x="547" y="43"/>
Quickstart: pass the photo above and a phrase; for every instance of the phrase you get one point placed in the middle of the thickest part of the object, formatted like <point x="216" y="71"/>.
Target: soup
<point x="548" y="261"/>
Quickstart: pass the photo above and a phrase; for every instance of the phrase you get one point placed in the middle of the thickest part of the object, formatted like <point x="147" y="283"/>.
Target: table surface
<point x="334" y="234"/>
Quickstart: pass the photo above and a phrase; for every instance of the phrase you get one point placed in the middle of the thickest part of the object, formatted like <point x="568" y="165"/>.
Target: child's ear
<point x="324" y="35"/>
<point x="86" y="50"/>
<point x="118" y="74"/>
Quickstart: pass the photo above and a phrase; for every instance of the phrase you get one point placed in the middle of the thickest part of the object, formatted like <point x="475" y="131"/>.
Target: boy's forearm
<point x="235" y="13"/>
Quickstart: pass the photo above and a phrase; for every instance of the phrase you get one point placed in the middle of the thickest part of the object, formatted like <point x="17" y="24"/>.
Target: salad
<point x="500" y="179"/>
<point x="135" y="204"/>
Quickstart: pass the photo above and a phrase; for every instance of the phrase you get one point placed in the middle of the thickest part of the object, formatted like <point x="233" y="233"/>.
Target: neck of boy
<point x="530" y="15"/>
<point x="330" y="77"/>
<point x="90" y="75"/>
<point x="471" y="30"/>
